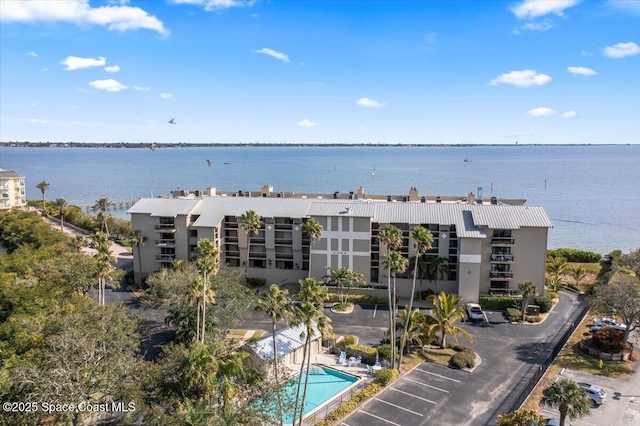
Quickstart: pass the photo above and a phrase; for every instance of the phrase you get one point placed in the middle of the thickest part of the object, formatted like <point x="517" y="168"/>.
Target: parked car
<point x="474" y="312"/>
<point x="555" y="422"/>
<point x="595" y="393"/>
<point x="600" y="323"/>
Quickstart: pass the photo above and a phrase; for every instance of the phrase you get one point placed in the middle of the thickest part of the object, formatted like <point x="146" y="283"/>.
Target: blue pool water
<point x="324" y="384"/>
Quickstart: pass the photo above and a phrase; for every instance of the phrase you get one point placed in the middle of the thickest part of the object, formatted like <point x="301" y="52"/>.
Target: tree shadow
<point x="533" y="353"/>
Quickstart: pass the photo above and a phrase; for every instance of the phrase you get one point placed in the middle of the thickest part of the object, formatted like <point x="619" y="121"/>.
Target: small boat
<point x="468" y="160"/>
<point x="227" y="162"/>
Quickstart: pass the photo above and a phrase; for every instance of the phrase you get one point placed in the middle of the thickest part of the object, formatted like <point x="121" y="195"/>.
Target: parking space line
<point x="426" y="385"/>
<point x="413" y="396"/>
<point x="397" y="406"/>
<point x="374" y="310"/>
<point x="379" y="418"/>
<point x="343" y="424"/>
<point x="437" y="375"/>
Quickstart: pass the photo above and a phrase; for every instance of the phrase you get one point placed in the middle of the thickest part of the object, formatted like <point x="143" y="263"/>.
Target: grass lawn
<point x="439" y="356"/>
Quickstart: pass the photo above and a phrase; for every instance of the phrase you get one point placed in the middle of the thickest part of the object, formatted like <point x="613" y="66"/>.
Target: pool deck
<point x="330" y="360"/>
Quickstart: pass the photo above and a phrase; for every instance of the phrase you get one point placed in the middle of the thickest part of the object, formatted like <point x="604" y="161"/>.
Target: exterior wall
<point x="144" y="223"/>
<point x="12" y="193"/>
<point x="530" y="250"/>
<point x="470" y="269"/>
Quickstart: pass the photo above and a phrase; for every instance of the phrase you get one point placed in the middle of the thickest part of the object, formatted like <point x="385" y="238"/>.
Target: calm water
<point x="592" y="193"/>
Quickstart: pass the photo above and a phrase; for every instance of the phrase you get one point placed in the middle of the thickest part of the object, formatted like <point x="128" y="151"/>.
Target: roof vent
<point x="438" y="199"/>
<point x="423" y="199"/>
<point x="494" y="200"/>
<point x="389" y="197"/>
<point x="336" y="195"/>
<point x="404" y="199"/>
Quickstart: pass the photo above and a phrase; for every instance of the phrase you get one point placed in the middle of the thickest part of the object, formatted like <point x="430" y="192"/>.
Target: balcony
<point x="257" y="255"/>
<point x="257" y="240"/>
<point x="233" y="240"/>
<point x="503" y="241"/>
<point x="284" y="226"/>
<point x="165" y="227"/>
<point x="502" y="258"/>
<point x="500" y="275"/>
<point x="165" y="257"/>
<point x="283" y="241"/>
<point x="232" y="254"/>
<point x="165" y="243"/>
<point x="284" y="256"/>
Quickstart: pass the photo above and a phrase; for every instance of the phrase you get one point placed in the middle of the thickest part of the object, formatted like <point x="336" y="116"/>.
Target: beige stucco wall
<point x="530" y="251"/>
<point x="470" y="268"/>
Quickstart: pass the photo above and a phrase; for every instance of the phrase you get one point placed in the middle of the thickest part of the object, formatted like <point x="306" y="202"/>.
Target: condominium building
<point x="488" y="246"/>
<point x="12" y="190"/>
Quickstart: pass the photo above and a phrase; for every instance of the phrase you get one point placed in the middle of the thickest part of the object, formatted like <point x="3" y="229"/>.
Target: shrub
<point x="576" y="255"/>
<point x="367" y="353"/>
<point x="463" y="359"/>
<point x="459" y="348"/>
<point x="533" y="318"/>
<point x="551" y="294"/>
<point x="349" y="340"/>
<point x="545" y="303"/>
<point x="359" y="299"/>
<point x="608" y="340"/>
<point x="498" y="303"/>
<point x="384" y="377"/>
<point x="350" y="404"/>
<point x="385" y="351"/>
<point x="515" y="315"/>
<point x="256" y="282"/>
<point x="329" y="340"/>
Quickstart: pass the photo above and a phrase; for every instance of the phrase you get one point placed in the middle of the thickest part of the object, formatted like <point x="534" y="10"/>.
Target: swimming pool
<point x="324" y="384"/>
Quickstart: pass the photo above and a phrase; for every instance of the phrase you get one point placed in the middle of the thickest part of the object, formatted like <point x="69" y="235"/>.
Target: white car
<point x="600" y="323"/>
<point x="474" y="312"/>
<point x="555" y="422"/>
<point x="595" y="393"/>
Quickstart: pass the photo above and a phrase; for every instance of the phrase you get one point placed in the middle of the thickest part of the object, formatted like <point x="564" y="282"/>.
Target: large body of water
<point x="591" y="193"/>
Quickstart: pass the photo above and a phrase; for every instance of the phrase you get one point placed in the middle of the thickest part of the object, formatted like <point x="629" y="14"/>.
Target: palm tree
<point x="423" y="264"/>
<point x="137" y="240"/>
<point x="554" y="283"/>
<point x="312" y="291"/>
<point x="61" y="205"/>
<point x="413" y="327"/>
<point x="77" y="242"/>
<point x="250" y="223"/>
<point x="104" y="260"/>
<point x="422" y="241"/>
<point x="395" y="263"/>
<point x="578" y="273"/>
<point x="391" y="237"/>
<point x="527" y="288"/>
<point x="437" y="269"/>
<point x="208" y="257"/>
<point x="229" y="371"/>
<point x="314" y="230"/>
<point x="446" y="310"/>
<point x="197" y="372"/>
<point x="43" y="186"/>
<point x="556" y="267"/>
<point x="570" y="399"/>
<point x="343" y="279"/>
<point x="278" y="307"/>
<point x="194" y="297"/>
<point x="103" y="205"/>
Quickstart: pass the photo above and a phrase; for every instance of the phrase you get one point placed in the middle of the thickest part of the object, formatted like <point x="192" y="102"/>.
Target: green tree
<point x="554" y="283"/>
<point x="423" y="263"/>
<point x="413" y="327"/>
<point x="232" y="371"/>
<point x="104" y="263"/>
<point x="250" y="223"/>
<point x="527" y="288"/>
<point x="422" y="242"/>
<point x="437" y="268"/>
<point x="520" y="418"/>
<point x="198" y="371"/>
<point x="569" y="398"/>
<point x="395" y="263"/>
<point x="578" y="273"/>
<point x="43" y="186"/>
<point x="556" y="267"/>
<point x="277" y="305"/>
<point x="77" y="242"/>
<point x="621" y="295"/>
<point x="137" y="240"/>
<point x="391" y="237"/>
<point x="103" y="204"/>
<point x="343" y="279"/>
<point x="61" y="205"/>
<point x="314" y="230"/>
<point x="446" y="311"/>
<point x="208" y="258"/>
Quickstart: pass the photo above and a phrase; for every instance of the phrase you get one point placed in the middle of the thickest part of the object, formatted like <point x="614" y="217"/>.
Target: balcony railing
<point x="165" y="243"/>
<point x="165" y="257"/>
<point x="499" y="275"/>
<point x="503" y="240"/>
<point x="284" y="256"/>
<point x="232" y="254"/>
<point x="502" y="258"/>
<point x="284" y="241"/>
<point x="231" y="239"/>
<point x="165" y="227"/>
<point x="257" y="255"/>
<point x="284" y="226"/>
<point x="258" y="240"/>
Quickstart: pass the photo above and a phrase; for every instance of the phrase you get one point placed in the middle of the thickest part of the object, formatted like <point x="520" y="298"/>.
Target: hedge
<point x="545" y="303"/>
<point x="551" y="294"/>
<point x="515" y="315"/>
<point x="359" y="299"/>
<point x="463" y="359"/>
<point x="384" y="377"/>
<point x="576" y="255"/>
<point x="367" y="353"/>
<point x="498" y="303"/>
<point x="350" y="404"/>
<point x="256" y="282"/>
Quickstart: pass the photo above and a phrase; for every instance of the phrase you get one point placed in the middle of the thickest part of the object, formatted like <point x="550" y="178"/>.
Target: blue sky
<point x="232" y="71"/>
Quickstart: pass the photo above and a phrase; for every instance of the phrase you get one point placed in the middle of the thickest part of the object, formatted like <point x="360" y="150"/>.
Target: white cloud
<point x="217" y="5"/>
<point x="430" y="39"/>
<point x="166" y="95"/>
<point x="530" y="9"/>
<point x="280" y="56"/>
<point x="542" y="26"/>
<point x="36" y="120"/>
<point x="79" y="12"/>
<point x="627" y="6"/>
<point x="581" y="71"/>
<point x="569" y="114"/>
<point x="32" y="53"/>
<point x="140" y="88"/>
<point x="585" y="53"/>
<point x="113" y="68"/>
<point x="76" y="63"/>
<point x="622" y="50"/>
<point x="369" y="103"/>
<point x="109" y="85"/>
<point x="524" y="78"/>
<point x="306" y="123"/>
<point x="541" y="112"/>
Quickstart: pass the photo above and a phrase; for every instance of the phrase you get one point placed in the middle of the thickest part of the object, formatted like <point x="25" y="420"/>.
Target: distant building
<point x="12" y="190"/>
<point x="488" y="245"/>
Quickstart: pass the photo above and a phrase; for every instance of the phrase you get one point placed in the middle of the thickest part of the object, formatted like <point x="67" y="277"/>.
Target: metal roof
<point x="213" y="209"/>
<point x="6" y="174"/>
<point x="510" y="217"/>
<point x="164" y="207"/>
<point x="287" y="340"/>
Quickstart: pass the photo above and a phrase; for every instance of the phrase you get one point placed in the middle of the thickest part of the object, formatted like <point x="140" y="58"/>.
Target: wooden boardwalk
<point x="117" y="205"/>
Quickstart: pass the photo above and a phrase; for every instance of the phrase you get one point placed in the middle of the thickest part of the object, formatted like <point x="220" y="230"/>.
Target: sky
<point x="236" y="71"/>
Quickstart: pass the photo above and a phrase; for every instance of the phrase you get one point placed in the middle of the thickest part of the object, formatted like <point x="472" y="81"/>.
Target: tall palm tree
<point x="556" y="267"/>
<point x="61" y="205"/>
<point x="422" y="241"/>
<point x="208" y="258"/>
<point x="194" y="297"/>
<point x="527" y="288"/>
<point x="104" y="261"/>
<point x="413" y="327"/>
<point x="423" y="263"/>
<point x="43" y="186"/>
<point x="438" y="268"/>
<point x="446" y="310"/>
<point x="343" y="279"/>
<point x="278" y="307"/>
<point x="314" y="230"/>
<point x="554" y="283"/>
<point x="578" y="273"/>
<point x="197" y="372"/>
<point x="570" y="399"/>
<point x="395" y="263"/>
<point x="103" y="205"/>
<point x="250" y="223"/>
<point x="77" y="242"/>
<point x="137" y="240"/>
<point x="229" y="371"/>
<point x="312" y="291"/>
<point x="391" y="237"/>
